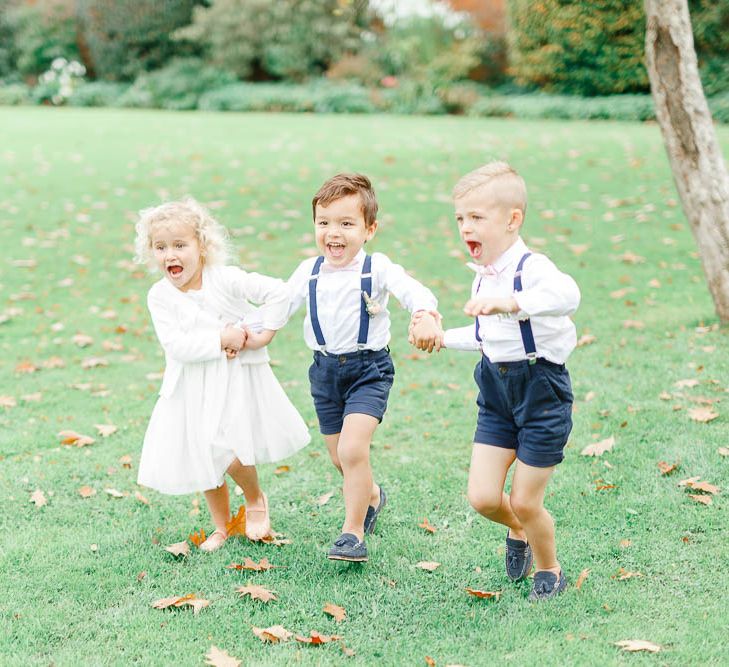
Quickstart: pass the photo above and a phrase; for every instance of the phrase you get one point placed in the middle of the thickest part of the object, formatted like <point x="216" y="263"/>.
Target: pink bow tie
<point x="483" y="271"/>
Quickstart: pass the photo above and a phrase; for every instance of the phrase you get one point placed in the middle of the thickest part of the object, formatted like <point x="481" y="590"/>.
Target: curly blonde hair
<point x="211" y="235"/>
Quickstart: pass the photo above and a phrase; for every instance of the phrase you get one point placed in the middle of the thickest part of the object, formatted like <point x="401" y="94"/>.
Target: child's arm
<point x="188" y="346"/>
<point x="271" y="293"/>
<point x="547" y="290"/>
<point x="258" y="339"/>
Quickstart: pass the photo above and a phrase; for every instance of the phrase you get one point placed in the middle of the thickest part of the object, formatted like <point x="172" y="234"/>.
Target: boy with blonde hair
<point x="522" y="304"/>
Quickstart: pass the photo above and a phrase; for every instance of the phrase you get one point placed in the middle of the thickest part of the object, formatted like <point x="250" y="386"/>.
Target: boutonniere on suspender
<point x="371" y="306"/>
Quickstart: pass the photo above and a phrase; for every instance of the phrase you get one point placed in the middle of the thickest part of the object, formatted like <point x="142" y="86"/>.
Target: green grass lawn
<point x="602" y="205"/>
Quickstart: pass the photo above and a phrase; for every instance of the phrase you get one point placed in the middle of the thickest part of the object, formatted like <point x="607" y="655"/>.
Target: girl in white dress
<point x="220" y="407"/>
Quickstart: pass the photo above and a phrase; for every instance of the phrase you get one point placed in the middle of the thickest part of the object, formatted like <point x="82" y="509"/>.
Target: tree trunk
<point x="696" y="160"/>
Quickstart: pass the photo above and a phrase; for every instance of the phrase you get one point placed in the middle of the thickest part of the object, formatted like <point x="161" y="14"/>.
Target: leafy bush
<point x="57" y="84"/>
<point x="42" y="32"/>
<point x="580" y="48"/>
<point x="177" y="86"/>
<point x="710" y="21"/>
<point x="98" y="94"/>
<point x="719" y="106"/>
<point x="7" y="41"/>
<point x="286" y="39"/>
<point x="126" y="37"/>
<point x="14" y="94"/>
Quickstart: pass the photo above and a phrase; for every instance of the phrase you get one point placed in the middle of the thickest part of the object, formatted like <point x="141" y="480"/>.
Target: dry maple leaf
<point x="219" y="658"/>
<point x="105" y="430"/>
<point x="599" y="448"/>
<point x="690" y="382"/>
<point x="315" y="638"/>
<point x="273" y="634"/>
<point x="26" y="367"/>
<point x="237" y="523"/>
<point x="82" y="340"/>
<point x="624" y="574"/>
<point x="256" y="592"/>
<point x="689" y="481"/>
<point x="179" y="549"/>
<point x="281" y="469"/>
<point x="141" y="498"/>
<point x="324" y="499"/>
<point x="73" y="438"/>
<point x="180" y="601"/>
<point x="667" y="468"/>
<point x="7" y="402"/>
<point x="54" y="362"/>
<point x="198" y="537"/>
<point x="638" y="645"/>
<point x="86" y="492"/>
<point x="581" y="579"/>
<point x="426" y="525"/>
<point x="488" y="595"/>
<point x="336" y="612"/>
<point x="39" y="498"/>
<point x="126" y="461"/>
<point x="704" y="486"/>
<point x="702" y="414"/>
<point x="704" y="500"/>
<point x="275" y="539"/>
<point x="94" y="362"/>
<point x="249" y="564"/>
<point x="429" y="661"/>
<point x="586" y="339"/>
<point x="629" y="257"/>
<point x="427" y="565"/>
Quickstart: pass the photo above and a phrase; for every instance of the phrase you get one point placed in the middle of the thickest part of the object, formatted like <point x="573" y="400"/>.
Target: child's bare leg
<point x="486" y="478"/>
<point x="353" y="451"/>
<point x="332" y="443"/>
<point x="246" y="477"/>
<point x="527" y="502"/>
<point x="219" y="506"/>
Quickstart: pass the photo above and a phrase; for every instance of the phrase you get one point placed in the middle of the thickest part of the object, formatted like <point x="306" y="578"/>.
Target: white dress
<point x="212" y="410"/>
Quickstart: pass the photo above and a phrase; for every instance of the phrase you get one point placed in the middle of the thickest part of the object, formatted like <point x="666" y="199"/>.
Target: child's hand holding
<point x="425" y="331"/>
<point x="490" y="306"/>
<point x="259" y="339"/>
<point x="232" y="339"/>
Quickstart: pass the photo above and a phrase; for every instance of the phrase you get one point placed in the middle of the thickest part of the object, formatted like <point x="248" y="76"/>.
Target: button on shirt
<point x="339" y="298"/>
<point x="548" y="298"/>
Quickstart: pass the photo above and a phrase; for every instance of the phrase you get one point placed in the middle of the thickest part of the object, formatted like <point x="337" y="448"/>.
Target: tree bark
<point x="695" y="156"/>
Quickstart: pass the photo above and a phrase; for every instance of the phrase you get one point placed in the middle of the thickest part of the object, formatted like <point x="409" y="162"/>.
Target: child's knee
<point x="484" y="502"/>
<point x="525" y="506"/>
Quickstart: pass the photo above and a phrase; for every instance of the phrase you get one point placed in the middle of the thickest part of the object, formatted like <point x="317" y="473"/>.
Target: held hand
<point x="258" y="340"/>
<point x="425" y="332"/>
<point x="231" y="353"/>
<point x="490" y="306"/>
<point x="233" y="338"/>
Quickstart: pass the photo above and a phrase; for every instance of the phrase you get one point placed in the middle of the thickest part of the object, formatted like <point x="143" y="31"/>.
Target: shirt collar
<point x="354" y="265"/>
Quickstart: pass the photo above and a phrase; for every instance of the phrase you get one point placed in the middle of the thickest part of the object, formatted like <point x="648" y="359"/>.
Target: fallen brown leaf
<point x="73" y="438"/>
<point x="324" y="499"/>
<point x="82" y="340"/>
<point x="704" y="500"/>
<point x="315" y="638"/>
<point x="126" y="461"/>
<point x="427" y="565"/>
<point x="599" y="448"/>
<point x="488" y="595"/>
<point x="86" y="492"/>
<point x="94" y="362"/>
<point x="335" y="611"/>
<point x="256" y="592"/>
<point x="249" y="564"/>
<point x="198" y="537"/>
<point x="581" y="579"/>
<point x="426" y="525"/>
<point x="39" y="498"/>
<point x="219" y="658"/>
<point x="429" y="661"/>
<point x="624" y="574"/>
<point x="237" y="523"/>
<point x="7" y="402"/>
<point x="702" y="414"/>
<point x="141" y="498"/>
<point x="273" y="634"/>
<point x="723" y="451"/>
<point x="638" y="645"/>
<point x="281" y="469"/>
<point x="179" y="549"/>
<point x="105" y="430"/>
<point x="690" y="382"/>
<point x="586" y="339"/>
<point x="114" y="493"/>
<point x="180" y="601"/>
<point x="667" y="468"/>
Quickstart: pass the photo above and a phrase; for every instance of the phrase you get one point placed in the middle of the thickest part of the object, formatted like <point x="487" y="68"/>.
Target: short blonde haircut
<point x="511" y="190"/>
<point x="210" y="234"/>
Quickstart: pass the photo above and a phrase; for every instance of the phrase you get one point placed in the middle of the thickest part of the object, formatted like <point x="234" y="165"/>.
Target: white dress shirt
<point x="548" y="298"/>
<point x="339" y="298"/>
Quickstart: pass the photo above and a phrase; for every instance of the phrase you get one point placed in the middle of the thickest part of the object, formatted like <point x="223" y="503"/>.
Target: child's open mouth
<point x="474" y="248"/>
<point x="335" y="249"/>
<point x="175" y="270"/>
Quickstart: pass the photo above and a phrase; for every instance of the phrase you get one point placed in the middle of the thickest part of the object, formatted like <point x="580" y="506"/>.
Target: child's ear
<point x="371" y="231"/>
<point x="516" y="219"/>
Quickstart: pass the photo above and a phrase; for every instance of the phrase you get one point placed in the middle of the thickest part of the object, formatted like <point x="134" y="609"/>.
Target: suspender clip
<point x="532" y="358"/>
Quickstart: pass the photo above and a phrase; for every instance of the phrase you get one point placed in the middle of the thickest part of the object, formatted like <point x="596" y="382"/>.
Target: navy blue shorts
<point x="342" y="384"/>
<point x="524" y="407"/>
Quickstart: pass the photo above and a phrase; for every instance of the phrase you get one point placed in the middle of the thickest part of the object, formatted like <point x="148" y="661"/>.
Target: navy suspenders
<point x="525" y="326"/>
<point x="364" y="318"/>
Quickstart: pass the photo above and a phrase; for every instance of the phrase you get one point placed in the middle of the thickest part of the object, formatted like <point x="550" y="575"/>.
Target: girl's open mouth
<point x="474" y="248"/>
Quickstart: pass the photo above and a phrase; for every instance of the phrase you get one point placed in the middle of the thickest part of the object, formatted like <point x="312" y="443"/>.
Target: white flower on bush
<point x="64" y="77"/>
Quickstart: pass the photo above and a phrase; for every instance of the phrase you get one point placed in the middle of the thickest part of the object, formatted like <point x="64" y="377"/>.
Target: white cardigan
<point x="189" y="334"/>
